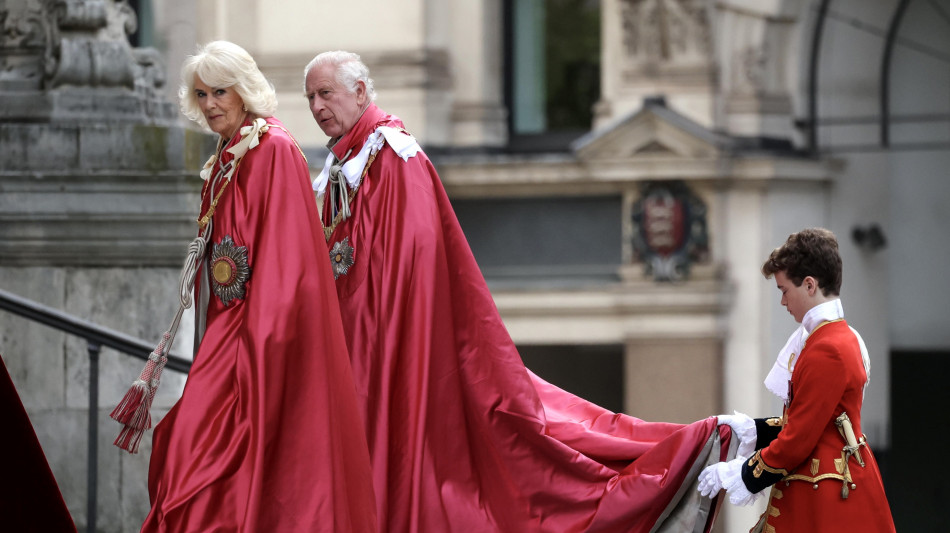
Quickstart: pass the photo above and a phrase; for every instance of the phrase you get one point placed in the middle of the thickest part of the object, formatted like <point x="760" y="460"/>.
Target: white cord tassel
<point x="133" y="412"/>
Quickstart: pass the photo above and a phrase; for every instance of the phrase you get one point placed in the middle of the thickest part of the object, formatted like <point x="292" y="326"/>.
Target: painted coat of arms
<point x="669" y="230"/>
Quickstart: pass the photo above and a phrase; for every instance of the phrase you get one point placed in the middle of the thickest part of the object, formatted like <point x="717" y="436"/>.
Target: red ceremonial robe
<point x="30" y="501"/>
<point x="265" y="437"/>
<point x="828" y="379"/>
<point x="462" y="436"/>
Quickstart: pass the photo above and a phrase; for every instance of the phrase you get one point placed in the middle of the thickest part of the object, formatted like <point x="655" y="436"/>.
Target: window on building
<point x="144" y="34"/>
<point x="552" y="70"/>
<point x="593" y="372"/>
<point x="544" y="241"/>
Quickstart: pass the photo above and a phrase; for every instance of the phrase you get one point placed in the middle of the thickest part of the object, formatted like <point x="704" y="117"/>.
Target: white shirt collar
<point x="824" y="312"/>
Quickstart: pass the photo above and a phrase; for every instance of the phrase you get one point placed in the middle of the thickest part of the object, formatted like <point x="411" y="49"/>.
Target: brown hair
<point x="810" y="252"/>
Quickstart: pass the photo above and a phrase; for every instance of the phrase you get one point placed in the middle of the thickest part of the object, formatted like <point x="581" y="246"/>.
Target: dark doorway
<point x="912" y="468"/>
<point x="593" y="372"/>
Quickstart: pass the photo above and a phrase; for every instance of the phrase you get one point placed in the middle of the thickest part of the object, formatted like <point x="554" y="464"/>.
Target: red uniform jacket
<point x="804" y="461"/>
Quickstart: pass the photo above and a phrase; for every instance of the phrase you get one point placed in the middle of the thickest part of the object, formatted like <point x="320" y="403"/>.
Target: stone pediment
<point x="653" y="131"/>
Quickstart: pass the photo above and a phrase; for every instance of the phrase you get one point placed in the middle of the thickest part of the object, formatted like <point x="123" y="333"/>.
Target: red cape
<point x="462" y="436"/>
<point x="30" y="500"/>
<point x="266" y="435"/>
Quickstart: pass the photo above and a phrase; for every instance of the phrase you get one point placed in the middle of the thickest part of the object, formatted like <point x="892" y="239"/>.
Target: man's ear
<point x="360" y="93"/>
<point x="811" y="285"/>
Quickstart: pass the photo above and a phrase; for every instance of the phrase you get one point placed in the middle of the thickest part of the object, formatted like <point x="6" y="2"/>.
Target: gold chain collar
<point x="258" y="127"/>
<point x="328" y="230"/>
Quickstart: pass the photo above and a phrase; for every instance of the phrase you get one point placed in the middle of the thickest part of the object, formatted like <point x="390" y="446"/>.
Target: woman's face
<point x="222" y="106"/>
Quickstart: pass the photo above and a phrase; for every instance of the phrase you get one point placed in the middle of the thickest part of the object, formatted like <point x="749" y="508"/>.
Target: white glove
<point x="709" y="482"/>
<point x="743" y="427"/>
<point x="728" y="476"/>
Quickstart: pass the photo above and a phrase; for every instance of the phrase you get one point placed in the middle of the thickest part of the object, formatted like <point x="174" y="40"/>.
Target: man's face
<point x="795" y="299"/>
<point x="334" y="108"/>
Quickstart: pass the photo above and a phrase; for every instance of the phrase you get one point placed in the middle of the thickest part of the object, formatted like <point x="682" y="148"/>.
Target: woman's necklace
<point x="210" y="186"/>
<point x="250" y="138"/>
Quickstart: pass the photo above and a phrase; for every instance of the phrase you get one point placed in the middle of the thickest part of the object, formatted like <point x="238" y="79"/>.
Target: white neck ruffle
<point x="402" y="143"/>
<point x="781" y="373"/>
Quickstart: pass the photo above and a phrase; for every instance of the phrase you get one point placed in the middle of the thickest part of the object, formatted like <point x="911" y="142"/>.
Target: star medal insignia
<point x="341" y="257"/>
<point x="229" y="270"/>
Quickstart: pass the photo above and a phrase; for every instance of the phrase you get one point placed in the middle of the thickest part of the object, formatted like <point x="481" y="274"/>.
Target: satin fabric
<point x="30" y="501"/>
<point x="828" y="379"/>
<point x="266" y="436"/>
<point x="462" y="437"/>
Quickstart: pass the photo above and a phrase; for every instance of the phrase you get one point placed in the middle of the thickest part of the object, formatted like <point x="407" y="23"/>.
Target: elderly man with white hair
<point x="462" y="437"/>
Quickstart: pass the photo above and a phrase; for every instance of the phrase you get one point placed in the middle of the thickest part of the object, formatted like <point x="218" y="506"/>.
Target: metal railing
<point x="96" y="337"/>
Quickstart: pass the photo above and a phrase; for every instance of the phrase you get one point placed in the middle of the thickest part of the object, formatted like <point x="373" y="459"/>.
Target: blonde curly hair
<point x="224" y="64"/>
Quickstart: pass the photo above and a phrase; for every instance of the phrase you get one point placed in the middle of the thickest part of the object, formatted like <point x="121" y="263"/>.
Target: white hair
<point x="222" y="64"/>
<point x="350" y="70"/>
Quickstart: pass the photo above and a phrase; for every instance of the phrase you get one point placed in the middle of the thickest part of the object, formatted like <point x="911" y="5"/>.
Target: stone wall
<point x="98" y="194"/>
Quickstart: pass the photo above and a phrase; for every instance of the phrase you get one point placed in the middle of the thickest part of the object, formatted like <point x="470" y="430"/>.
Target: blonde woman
<point x="267" y="435"/>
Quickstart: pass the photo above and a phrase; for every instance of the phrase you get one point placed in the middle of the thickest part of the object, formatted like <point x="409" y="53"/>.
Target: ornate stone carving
<point x="80" y="46"/>
<point x="52" y="43"/>
<point x="94" y="63"/>
<point x="26" y="45"/>
<point x="80" y="14"/>
<point x="753" y="62"/>
<point x="658" y="31"/>
<point x="665" y="31"/>
<point x="94" y="49"/>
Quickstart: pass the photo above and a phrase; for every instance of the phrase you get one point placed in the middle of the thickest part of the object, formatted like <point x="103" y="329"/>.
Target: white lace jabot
<point x="781" y="373"/>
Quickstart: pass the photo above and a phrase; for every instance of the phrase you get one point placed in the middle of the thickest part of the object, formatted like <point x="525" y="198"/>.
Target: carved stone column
<point x="754" y="52"/>
<point x="656" y="47"/>
<point x="478" y="115"/>
<point x="94" y="164"/>
<point x="70" y="60"/>
<point x="98" y="192"/>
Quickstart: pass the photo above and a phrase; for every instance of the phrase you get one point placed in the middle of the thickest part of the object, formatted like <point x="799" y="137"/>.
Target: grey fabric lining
<point x="689" y="510"/>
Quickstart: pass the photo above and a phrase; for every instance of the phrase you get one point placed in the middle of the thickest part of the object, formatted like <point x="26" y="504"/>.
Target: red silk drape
<point x="462" y="437"/>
